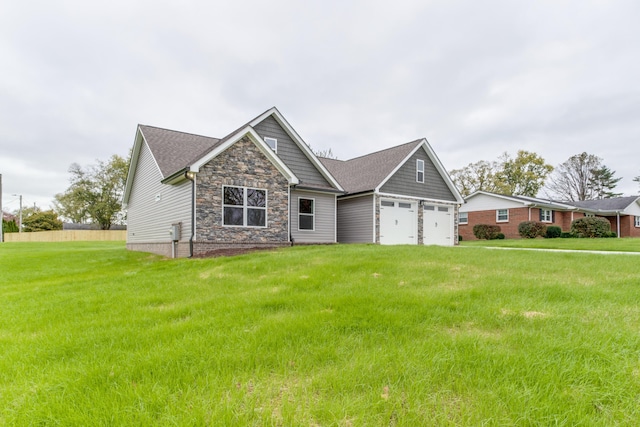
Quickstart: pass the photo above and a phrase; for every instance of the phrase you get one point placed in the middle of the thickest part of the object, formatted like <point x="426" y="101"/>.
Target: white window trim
<point x="544" y="217"/>
<point x="275" y="143"/>
<point x="466" y="220"/>
<point x="637" y="221"/>
<point x="420" y="170"/>
<point x="498" y="215"/>
<point x="245" y="207"/>
<point x="312" y="215"/>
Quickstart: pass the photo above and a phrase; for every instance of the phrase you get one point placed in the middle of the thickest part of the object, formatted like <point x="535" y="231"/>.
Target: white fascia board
<point x="299" y="142"/>
<point x="497" y="196"/>
<point x="436" y="162"/>
<point x="434" y="201"/>
<point x="259" y="142"/>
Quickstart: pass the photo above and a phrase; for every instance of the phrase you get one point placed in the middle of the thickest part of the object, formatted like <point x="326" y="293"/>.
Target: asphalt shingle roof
<point x="175" y="150"/>
<point x="365" y="173"/>
<point x="613" y="204"/>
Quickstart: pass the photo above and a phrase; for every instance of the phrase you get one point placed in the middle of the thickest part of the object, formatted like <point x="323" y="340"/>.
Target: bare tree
<point x="582" y="177"/>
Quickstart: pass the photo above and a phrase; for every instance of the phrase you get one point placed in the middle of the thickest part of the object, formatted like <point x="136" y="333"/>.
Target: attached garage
<point x="438" y="225"/>
<point x="398" y="222"/>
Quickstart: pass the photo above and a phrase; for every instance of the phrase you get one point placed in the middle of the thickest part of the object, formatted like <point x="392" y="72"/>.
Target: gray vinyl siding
<point x="355" y="220"/>
<point x="148" y="219"/>
<point x="403" y="182"/>
<point x="324" y="218"/>
<point x="290" y="153"/>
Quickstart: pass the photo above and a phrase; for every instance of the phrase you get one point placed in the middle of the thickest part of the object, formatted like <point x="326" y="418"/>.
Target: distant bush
<point x="531" y="229"/>
<point x="500" y="236"/>
<point x="9" y="226"/>
<point x="486" y="231"/>
<point x="553" y="231"/>
<point x="613" y="234"/>
<point x="459" y="238"/>
<point x="566" y="235"/>
<point x="591" y="227"/>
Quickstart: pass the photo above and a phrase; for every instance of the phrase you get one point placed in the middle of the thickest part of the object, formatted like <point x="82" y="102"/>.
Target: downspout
<point x="189" y="175"/>
<point x="618" y="222"/>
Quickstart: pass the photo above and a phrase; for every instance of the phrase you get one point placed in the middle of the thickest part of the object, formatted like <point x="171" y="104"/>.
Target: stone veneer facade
<point x="241" y="165"/>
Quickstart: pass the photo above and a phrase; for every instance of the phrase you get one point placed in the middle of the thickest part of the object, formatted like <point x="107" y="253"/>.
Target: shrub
<point x="459" y="238"/>
<point x="566" y="235"/>
<point x="486" y="231"/>
<point x="500" y="236"/>
<point x="553" y="231"/>
<point x="531" y="229"/>
<point x="613" y="234"/>
<point x="591" y="227"/>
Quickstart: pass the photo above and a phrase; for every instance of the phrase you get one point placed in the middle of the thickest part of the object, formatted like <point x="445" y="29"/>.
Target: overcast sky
<point x="476" y="78"/>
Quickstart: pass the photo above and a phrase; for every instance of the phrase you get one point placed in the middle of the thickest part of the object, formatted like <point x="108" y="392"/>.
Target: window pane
<point x="233" y="216"/>
<point x="306" y="222"/>
<point x="404" y="205"/>
<point x="256" y="217"/>
<point x="306" y="206"/>
<point x="387" y="203"/>
<point x="442" y="209"/>
<point x="233" y="196"/>
<point x="256" y="197"/>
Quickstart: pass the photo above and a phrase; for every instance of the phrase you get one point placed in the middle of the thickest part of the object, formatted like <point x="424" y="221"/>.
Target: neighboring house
<point x="622" y="212"/>
<point x="259" y="186"/>
<point x="401" y="195"/>
<point x="509" y="211"/>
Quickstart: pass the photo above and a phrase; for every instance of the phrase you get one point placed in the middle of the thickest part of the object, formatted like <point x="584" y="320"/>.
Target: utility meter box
<point x="175" y="232"/>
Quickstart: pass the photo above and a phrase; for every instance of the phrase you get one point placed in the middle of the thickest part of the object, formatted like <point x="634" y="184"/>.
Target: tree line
<point x="94" y="196"/>
<point x="581" y="177"/>
<point x="95" y="192"/>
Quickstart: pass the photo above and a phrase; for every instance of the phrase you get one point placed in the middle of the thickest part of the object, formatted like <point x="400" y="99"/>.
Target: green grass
<point x="354" y="335"/>
<point x="611" y="244"/>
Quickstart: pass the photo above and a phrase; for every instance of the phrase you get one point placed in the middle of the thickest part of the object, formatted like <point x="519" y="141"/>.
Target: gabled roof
<point x="366" y="173"/>
<point x="174" y="150"/>
<point x="372" y="171"/>
<point x="615" y="204"/>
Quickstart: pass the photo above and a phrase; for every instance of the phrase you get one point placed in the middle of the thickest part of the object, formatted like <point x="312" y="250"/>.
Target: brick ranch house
<point x="508" y="212"/>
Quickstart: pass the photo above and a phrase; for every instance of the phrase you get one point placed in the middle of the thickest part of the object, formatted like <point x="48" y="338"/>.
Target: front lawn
<point x="611" y="244"/>
<point x="345" y="335"/>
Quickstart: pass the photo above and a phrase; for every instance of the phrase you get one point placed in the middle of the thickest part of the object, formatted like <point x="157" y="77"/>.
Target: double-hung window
<point x="463" y="218"/>
<point x="546" y="215"/>
<point x="502" y="215"/>
<point x="244" y="207"/>
<point x="638" y="221"/>
<point x="419" y="170"/>
<point x="306" y="214"/>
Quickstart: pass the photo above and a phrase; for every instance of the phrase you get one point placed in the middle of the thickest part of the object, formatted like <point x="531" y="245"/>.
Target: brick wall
<point x="627" y="226"/>
<point x="516" y="216"/>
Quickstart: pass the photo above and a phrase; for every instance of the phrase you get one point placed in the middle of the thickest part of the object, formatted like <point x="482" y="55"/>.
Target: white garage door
<point x="438" y="225"/>
<point x="398" y="222"/>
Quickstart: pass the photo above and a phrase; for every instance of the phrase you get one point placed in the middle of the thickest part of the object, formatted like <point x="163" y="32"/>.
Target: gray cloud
<point x="475" y="78"/>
